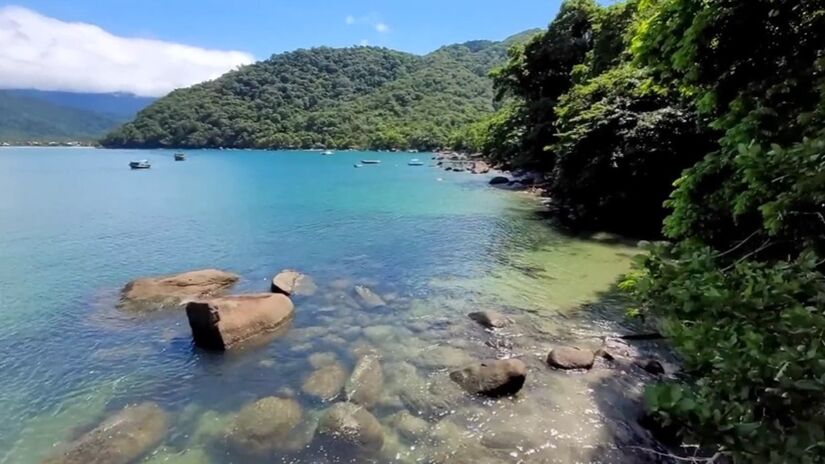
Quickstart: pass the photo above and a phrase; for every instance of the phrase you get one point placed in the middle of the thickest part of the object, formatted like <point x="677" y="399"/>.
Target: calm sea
<point x="77" y="224"/>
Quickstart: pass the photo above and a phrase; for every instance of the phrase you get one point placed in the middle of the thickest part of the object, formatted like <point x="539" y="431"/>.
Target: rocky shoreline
<point x="382" y="401"/>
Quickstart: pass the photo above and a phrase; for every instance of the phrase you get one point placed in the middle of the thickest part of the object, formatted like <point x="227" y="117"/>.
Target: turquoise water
<point x="76" y="224"/>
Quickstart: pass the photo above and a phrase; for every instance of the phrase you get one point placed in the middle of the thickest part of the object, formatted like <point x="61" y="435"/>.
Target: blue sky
<point x="264" y="27"/>
<point x="150" y="47"/>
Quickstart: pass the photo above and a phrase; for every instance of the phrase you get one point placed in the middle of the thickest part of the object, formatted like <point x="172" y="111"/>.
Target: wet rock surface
<point x="264" y="425"/>
<point x="490" y="319"/>
<point x="498" y="377"/>
<point x="155" y="293"/>
<point x="368" y="298"/>
<point x="222" y="323"/>
<point x="366" y="381"/>
<point x="120" y="439"/>
<point x="567" y="357"/>
<point x="351" y="426"/>
<point x="291" y="282"/>
<point x="326" y="381"/>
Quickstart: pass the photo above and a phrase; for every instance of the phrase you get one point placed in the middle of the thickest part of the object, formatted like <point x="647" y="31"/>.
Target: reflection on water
<point x="434" y="251"/>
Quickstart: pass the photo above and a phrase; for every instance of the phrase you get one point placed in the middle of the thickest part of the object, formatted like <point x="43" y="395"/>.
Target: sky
<point x="149" y="47"/>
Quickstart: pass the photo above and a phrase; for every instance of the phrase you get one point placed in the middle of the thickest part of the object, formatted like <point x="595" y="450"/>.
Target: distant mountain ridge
<point x="36" y="115"/>
<point x="346" y="97"/>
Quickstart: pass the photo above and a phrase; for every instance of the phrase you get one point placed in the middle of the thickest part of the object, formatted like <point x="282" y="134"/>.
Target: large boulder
<point x="120" y="439"/>
<point x="221" y="323"/>
<point x="264" y="425"/>
<point x="499" y="180"/>
<point x="367" y="379"/>
<point x="490" y="319"/>
<point x="368" y="298"/>
<point x="291" y="282"/>
<point x="409" y="426"/>
<point x="151" y="293"/>
<point x="501" y="377"/>
<point x="326" y="381"/>
<point x="480" y="167"/>
<point x="569" y="357"/>
<point x="351" y="426"/>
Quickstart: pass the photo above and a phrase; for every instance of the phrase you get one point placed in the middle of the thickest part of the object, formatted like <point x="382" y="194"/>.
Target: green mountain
<point x="360" y="96"/>
<point x="25" y="118"/>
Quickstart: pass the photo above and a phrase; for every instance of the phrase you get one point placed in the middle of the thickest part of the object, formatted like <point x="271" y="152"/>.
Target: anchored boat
<point x="142" y="164"/>
<point x="415" y="162"/>
<point x="327" y="152"/>
<point x="370" y="161"/>
<point x="180" y="157"/>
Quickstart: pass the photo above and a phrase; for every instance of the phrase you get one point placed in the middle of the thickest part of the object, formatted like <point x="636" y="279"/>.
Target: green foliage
<point x="352" y="97"/>
<point x="24" y="118"/>
<point x="742" y="295"/>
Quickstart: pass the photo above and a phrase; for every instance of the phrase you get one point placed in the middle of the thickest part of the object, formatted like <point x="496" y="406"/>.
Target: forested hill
<point x="349" y="97"/>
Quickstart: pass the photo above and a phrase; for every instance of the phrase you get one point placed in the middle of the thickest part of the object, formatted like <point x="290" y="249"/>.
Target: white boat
<point x="415" y="162"/>
<point x="357" y="165"/>
<point x="327" y="152"/>
<point x="142" y="164"/>
<point x="370" y="161"/>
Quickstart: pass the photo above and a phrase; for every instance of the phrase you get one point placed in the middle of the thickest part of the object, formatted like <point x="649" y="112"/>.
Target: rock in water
<point x="326" y="382"/>
<point x="568" y="357"/>
<point x="490" y="319"/>
<point x="499" y="180"/>
<point x="291" y="282"/>
<point x="120" y="439"/>
<point x="494" y="378"/>
<point x="265" y="425"/>
<point x="221" y="323"/>
<point x="365" y="384"/>
<point x="408" y="426"/>
<point x="351" y="425"/>
<point x="368" y="298"/>
<point x="152" y="293"/>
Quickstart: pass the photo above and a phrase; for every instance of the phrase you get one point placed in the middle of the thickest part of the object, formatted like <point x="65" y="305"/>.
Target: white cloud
<point x="48" y="54"/>
<point x="373" y="20"/>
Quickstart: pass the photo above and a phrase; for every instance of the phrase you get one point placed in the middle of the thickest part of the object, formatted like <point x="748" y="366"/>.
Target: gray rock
<point x="366" y="382"/>
<point x="499" y="180"/>
<point x="568" y="357"/>
<point x="265" y="425"/>
<point x="490" y="319"/>
<point x="120" y="439"/>
<point x="408" y="426"/>
<point x="500" y="377"/>
<point x="368" y="298"/>
<point x="222" y="323"/>
<point x="291" y="282"/>
<point x="351" y="425"/>
<point x="325" y="382"/>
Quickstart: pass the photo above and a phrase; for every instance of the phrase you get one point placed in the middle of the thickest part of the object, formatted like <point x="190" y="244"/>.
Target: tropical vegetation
<point x="703" y="121"/>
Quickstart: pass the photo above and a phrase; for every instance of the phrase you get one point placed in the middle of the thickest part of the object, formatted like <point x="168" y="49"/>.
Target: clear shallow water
<point x="76" y="224"/>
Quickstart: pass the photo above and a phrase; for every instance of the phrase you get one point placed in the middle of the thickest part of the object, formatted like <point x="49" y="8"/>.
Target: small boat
<point x="142" y="164"/>
<point x="415" y="162"/>
<point x="370" y="161"/>
<point x="327" y="152"/>
<point x="180" y="157"/>
<point x="358" y="165"/>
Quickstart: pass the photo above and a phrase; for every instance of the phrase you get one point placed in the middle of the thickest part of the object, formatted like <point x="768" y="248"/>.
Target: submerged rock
<point x="490" y="319"/>
<point x="291" y="282"/>
<point x="568" y="357"/>
<point x="365" y="384"/>
<point x="409" y="426"/>
<point x="499" y="180"/>
<point x="221" y="323"/>
<point x="326" y="381"/>
<point x="153" y="293"/>
<point x="368" y="298"/>
<point x="265" y="425"/>
<point x="120" y="439"/>
<point x="501" y="377"/>
<point x="351" y="425"/>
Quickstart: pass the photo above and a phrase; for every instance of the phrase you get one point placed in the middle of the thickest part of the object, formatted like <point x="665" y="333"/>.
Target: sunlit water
<point x="76" y="224"/>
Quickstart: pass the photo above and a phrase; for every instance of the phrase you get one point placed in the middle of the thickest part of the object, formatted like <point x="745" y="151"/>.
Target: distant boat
<point x="370" y="161"/>
<point x="180" y="157"/>
<point x="415" y="162"/>
<point x="357" y="165"/>
<point x="142" y="164"/>
<point x="327" y="152"/>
